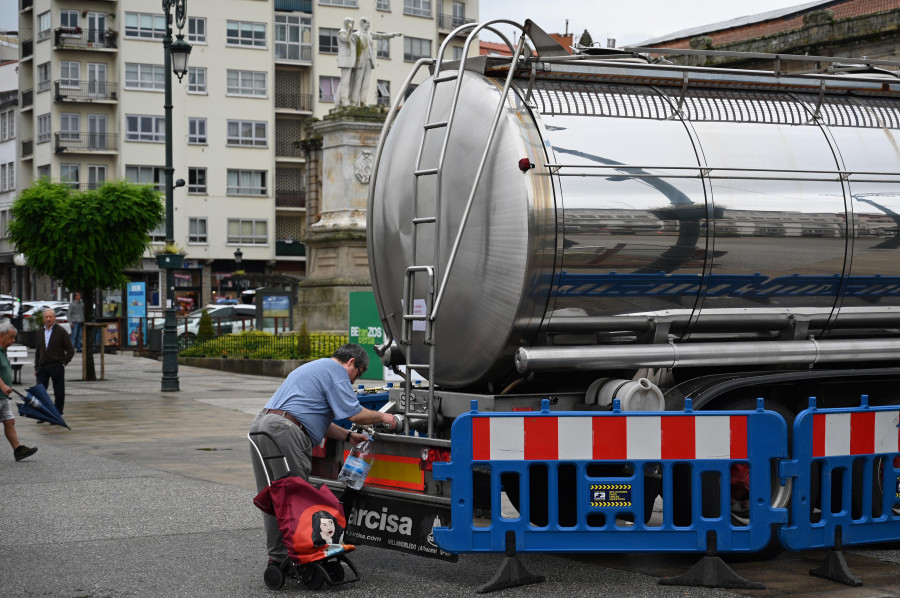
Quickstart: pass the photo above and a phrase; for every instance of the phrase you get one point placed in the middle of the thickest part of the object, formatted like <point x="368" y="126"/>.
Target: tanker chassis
<point x="579" y="228"/>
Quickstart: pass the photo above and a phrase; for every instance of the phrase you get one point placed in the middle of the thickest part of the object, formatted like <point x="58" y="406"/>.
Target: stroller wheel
<point x="335" y="570"/>
<point x="274" y="578"/>
<point x="312" y="578"/>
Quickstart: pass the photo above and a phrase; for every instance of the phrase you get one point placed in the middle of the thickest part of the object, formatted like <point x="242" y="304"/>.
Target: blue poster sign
<point x="137" y="313"/>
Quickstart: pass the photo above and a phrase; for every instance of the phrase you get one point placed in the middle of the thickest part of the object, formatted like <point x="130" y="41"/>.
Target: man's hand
<point x="6" y="390"/>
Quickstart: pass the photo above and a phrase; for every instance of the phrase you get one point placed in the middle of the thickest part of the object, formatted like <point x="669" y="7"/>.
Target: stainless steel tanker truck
<point x="601" y="225"/>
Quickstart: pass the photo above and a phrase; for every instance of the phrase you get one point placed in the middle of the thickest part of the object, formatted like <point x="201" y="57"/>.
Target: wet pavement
<point x="150" y="494"/>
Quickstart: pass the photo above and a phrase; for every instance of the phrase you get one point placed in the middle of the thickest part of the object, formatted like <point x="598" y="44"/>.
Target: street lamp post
<point x="175" y="59"/>
<point x="238" y="257"/>
<point x="20" y="261"/>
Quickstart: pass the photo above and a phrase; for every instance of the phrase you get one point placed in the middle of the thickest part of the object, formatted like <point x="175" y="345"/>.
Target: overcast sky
<point x="627" y="21"/>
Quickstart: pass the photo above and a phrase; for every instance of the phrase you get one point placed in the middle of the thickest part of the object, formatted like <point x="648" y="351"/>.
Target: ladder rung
<point x="417" y="366"/>
<point x="415" y="317"/>
<point x="426" y="171"/>
<point x="424" y="220"/>
<point x="436" y="125"/>
<point x="450" y="76"/>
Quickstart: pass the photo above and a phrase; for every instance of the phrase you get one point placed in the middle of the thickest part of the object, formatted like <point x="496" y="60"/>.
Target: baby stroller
<point x="311" y="521"/>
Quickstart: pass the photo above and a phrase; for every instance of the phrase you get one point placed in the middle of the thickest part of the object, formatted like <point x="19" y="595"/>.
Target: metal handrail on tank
<point x="431" y="306"/>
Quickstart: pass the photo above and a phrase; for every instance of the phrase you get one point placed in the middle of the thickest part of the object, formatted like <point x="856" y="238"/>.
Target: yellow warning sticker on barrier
<point x="610" y="495"/>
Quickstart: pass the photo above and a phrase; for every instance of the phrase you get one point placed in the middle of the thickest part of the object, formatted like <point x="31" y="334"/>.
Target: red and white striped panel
<point x="856" y="433"/>
<point x="590" y="438"/>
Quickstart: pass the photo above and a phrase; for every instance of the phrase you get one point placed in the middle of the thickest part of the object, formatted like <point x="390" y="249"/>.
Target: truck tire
<point x="710" y="494"/>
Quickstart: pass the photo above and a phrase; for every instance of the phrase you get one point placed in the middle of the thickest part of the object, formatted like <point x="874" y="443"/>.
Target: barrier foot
<point x="512" y="572"/>
<point x="835" y="568"/>
<point x="712" y="572"/>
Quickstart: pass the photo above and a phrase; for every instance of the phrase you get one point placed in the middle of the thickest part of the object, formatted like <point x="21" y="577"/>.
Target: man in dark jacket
<point x="53" y="352"/>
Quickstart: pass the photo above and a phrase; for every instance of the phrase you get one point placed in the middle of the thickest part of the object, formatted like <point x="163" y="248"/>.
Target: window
<point x="246" y="182"/>
<point x="68" y="19"/>
<point x="145" y="25"/>
<point x="197" y="230"/>
<point x="145" y="76"/>
<point x="248" y="232"/>
<point x="196" y="79"/>
<point x="383" y="89"/>
<point x="417" y="8"/>
<point x="457" y="52"/>
<point x="328" y="40"/>
<point x="247" y="83"/>
<point x="96" y="176"/>
<point x="383" y="48"/>
<point x="8" y="125"/>
<point x="248" y="132"/>
<point x="197" y="30"/>
<point x="196" y="180"/>
<point x="69" y="126"/>
<point x="43" y="171"/>
<point x="345" y="3"/>
<point x="68" y="173"/>
<point x="415" y="48"/>
<point x="43" y="135"/>
<point x="383" y="5"/>
<point x="146" y="175"/>
<point x="43" y="76"/>
<point x="328" y="87"/>
<point x="69" y="73"/>
<point x="7" y="183"/>
<point x="43" y="25"/>
<point x="245" y="33"/>
<point x="197" y="130"/>
<point x="145" y="128"/>
<point x="293" y="37"/>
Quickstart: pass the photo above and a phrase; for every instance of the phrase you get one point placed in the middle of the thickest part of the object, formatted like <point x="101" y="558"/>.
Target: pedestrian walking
<point x="301" y="413"/>
<point x="53" y="352"/>
<point x="7" y="338"/>
<point x="76" y="319"/>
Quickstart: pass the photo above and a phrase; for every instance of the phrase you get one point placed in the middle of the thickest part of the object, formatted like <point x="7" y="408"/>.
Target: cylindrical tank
<point x="644" y="201"/>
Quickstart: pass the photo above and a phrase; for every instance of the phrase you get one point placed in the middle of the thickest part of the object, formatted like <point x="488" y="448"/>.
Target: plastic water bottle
<point x="356" y="466"/>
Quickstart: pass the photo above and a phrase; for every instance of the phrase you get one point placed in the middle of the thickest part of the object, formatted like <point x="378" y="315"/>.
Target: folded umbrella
<point x="39" y="406"/>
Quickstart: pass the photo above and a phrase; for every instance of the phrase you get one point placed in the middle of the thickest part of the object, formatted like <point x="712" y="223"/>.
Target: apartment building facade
<point x="91" y="83"/>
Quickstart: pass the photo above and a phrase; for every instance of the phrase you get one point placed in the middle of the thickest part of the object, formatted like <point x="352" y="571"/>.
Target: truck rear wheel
<point x="738" y="484"/>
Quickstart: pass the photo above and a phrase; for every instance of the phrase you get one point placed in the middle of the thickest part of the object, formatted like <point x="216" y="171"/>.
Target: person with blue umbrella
<point x="8" y="337"/>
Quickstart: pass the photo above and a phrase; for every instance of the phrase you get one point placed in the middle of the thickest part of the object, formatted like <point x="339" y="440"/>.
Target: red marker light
<point x="525" y="165"/>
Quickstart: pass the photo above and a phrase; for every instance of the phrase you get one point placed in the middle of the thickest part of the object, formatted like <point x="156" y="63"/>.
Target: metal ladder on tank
<point x="432" y="303"/>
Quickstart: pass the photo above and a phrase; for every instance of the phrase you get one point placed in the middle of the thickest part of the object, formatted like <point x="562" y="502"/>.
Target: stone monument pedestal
<point x="337" y="258"/>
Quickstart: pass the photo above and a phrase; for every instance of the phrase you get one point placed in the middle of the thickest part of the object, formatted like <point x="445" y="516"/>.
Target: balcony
<point x="300" y="102"/>
<point x="27" y="149"/>
<point x="288" y="150"/>
<point x="27" y="99"/>
<point x="289" y="248"/>
<point x="290" y="199"/>
<point x="68" y="90"/>
<point x="85" y="143"/>
<point x="26" y="4"/>
<point x="76" y="38"/>
<point x="27" y="49"/>
<point x="294" y="5"/>
<point x="447" y="23"/>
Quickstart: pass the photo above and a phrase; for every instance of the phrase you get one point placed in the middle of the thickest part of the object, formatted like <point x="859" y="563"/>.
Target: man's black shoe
<point x="23" y="452"/>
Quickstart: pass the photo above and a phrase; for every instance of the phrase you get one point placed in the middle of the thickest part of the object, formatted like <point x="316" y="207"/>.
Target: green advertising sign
<point x="366" y="330"/>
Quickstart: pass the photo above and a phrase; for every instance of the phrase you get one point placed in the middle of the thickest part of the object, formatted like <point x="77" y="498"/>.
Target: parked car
<point x="225" y="318"/>
<point x="60" y="308"/>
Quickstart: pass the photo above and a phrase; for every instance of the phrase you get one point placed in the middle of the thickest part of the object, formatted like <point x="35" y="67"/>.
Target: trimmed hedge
<point x="253" y="344"/>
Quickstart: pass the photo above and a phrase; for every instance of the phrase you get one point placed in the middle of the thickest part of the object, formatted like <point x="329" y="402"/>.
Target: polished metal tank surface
<point x="643" y="201"/>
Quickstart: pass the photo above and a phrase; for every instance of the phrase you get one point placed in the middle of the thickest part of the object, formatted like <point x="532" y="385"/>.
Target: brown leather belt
<point x="285" y="415"/>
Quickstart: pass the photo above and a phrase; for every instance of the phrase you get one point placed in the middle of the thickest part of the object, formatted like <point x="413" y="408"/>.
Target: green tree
<point x="85" y="239"/>
<point x="205" y="329"/>
<point x="586" y="40"/>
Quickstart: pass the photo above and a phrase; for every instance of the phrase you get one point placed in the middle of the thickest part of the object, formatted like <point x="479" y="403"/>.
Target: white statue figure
<point x="346" y="61"/>
<point x="366" y="50"/>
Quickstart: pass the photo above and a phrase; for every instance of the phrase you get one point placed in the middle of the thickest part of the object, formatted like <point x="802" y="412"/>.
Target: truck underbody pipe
<point x="538" y="359"/>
